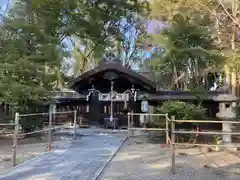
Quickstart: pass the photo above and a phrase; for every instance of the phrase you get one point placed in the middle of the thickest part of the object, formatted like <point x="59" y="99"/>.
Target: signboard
<point x="144" y="106"/>
<point x="52" y="108"/>
<point x="115" y="97"/>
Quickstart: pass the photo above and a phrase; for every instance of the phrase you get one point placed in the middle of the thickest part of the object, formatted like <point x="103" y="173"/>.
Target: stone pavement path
<point x="83" y="159"/>
<point x="141" y="160"/>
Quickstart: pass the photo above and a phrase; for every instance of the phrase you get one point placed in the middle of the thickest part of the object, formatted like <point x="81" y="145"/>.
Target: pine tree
<point x="189" y="56"/>
<point x="32" y="42"/>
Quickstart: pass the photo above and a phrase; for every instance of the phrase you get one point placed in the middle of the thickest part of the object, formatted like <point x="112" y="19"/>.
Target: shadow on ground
<point x="141" y="159"/>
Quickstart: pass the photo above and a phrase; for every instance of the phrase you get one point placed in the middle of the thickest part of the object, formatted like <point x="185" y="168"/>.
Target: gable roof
<point x="136" y="77"/>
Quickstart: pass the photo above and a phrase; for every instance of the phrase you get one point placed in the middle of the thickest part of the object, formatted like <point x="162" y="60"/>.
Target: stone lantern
<point x="227" y="103"/>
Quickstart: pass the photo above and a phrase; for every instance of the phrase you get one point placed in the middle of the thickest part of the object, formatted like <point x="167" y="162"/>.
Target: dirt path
<point x="27" y="149"/>
<point x="140" y="160"/>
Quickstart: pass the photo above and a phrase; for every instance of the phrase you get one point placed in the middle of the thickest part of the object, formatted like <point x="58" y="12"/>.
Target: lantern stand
<point x="144" y="108"/>
<point x="111" y="106"/>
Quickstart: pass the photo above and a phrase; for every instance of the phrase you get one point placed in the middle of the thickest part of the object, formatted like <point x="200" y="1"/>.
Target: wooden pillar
<point x="75" y="125"/>
<point x="238" y="85"/>
<point x="234" y="83"/>
<point x="227" y="75"/>
<point x="15" y="140"/>
<point x="173" y="145"/>
<point x="50" y="130"/>
<point x="129" y="125"/>
<point x="166" y="119"/>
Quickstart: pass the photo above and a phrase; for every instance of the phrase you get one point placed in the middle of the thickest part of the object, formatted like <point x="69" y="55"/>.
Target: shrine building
<point x="91" y="95"/>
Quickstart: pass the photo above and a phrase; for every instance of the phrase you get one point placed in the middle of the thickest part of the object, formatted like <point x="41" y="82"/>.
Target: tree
<point x="225" y="23"/>
<point x="32" y="42"/>
<point x="26" y="56"/>
<point x="127" y="44"/>
<point x="189" y="52"/>
<point x="86" y="55"/>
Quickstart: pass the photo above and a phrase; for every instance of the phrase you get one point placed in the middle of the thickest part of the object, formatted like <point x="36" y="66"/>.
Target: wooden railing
<point x="173" y="131"/>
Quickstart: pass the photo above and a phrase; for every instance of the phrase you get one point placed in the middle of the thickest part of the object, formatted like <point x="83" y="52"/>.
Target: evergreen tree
<point x="32" y="42"/>
<point x="189" y="55"/>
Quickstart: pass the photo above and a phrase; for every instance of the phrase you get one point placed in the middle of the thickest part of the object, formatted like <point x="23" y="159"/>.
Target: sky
<point x="3" y="4"/>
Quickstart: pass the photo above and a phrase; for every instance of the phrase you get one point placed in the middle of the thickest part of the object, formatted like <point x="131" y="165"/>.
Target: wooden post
<point x="131" y="120"/>
<point x="234" y="83"/>
<point x="173" y="144"/>
<point x="15" y="139"/>
<point x="132" y="123"/>
<point x="166" y="116"/>
<point x="129" y="125"/>
<point x="75" y="125"/>
<point x="80" y="123"/>
<point x="50" y="131"/>
<point x="228" y="76"/>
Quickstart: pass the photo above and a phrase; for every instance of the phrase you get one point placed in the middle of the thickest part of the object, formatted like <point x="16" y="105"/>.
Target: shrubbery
<point x="31" y="123"/>
<point x="181" y="110"/>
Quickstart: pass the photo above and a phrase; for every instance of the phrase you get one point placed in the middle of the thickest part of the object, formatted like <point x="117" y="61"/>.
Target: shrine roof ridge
<point x="113" y="67"/>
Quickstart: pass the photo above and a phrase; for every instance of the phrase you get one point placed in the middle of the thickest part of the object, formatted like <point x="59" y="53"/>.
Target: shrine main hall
<point x="111" y="90"/>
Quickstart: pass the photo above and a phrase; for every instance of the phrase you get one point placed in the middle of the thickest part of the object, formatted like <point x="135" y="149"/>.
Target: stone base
<point x="204" y="149"/>
<point x="216" y="149"/>
<point x="231" y="149"/>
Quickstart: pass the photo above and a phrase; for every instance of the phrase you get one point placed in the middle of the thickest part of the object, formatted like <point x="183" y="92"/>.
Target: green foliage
<point x="31" y="123"/>
<point x="32" y="42"/>
<point x="189" y="56"/>
<point x="237" y="111"/>
<point x="191" y="53"/>
<point x="181" y="110"/>
<point x="200" y="94"/>
<point x="217" y="138"/>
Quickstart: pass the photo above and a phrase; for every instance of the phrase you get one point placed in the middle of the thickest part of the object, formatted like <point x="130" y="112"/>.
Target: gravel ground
<point x="29" y="148"/>
<point x="82" y="159"/>
<point x="141" y="160"/>
<point x="25" y="152"/>
<point x="34" y="147"/>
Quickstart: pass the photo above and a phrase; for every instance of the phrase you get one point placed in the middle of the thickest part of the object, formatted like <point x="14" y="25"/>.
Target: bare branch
<point x="228" y="14"/>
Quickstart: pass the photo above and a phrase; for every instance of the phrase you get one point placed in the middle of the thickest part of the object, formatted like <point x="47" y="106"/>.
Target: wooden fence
<point x="131" y="128"/>
<point x="173" y="131"/>
<point x="17" y="134"/>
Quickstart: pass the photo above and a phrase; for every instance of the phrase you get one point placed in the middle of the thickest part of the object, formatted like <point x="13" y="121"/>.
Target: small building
<point x="94" y="102"/>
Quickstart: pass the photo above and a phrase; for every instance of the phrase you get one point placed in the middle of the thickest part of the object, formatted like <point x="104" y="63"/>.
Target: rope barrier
<point x="39" y="131"/>
<point x="35" y="132"/>
<point x="207" y="133"/>
<point x="7" y="134"/>
<point x="148" y="129"/>
<point x="204" y="121"/>
<point x="43" y="114"/>
<point x="233" y="145"/>
<point x="33" y="114"/>
<point x="7" y="124"/>
<point x="146" y="114"/>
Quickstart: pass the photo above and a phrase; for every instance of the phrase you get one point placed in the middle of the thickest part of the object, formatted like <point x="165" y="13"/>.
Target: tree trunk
<point x="175" y="76"/>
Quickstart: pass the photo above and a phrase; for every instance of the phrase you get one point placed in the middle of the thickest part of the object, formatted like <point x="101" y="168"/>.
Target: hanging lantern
<point x="144" y="106"/>
<point x="52" y="108"/>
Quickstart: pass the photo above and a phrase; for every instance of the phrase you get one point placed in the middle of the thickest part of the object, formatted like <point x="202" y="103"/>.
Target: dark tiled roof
<point x="117" y="68"/>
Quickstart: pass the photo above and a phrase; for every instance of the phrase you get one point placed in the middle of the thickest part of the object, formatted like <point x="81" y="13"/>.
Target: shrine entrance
<point x="111" y="91"/>
<point x="110" y="109"/>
